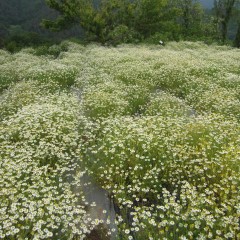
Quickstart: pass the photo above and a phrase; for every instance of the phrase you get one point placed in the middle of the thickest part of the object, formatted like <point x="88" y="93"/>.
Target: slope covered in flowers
<point x="157" y="127"/>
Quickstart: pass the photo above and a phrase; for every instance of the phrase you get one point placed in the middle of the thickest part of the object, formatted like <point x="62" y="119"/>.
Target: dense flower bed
<point x="158" y="128"/>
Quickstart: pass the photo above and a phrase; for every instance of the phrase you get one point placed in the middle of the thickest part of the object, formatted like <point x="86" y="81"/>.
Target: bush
<point x="59" y="75"/>
<point x="20" y="39"/>
<point x="42" y="50"/>
<point x="1" y="42"/>
<point x="12" y="47"/>
<point x="122" y="34"/>
<point x="104" y="100"/>
<point x="53" y="50"/>
<point x="7" y="77"/>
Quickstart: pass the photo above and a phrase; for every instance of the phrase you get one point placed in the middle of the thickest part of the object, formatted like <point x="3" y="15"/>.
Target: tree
<point x="97" y="18"/>
<point x="223" y="12"/>
<point x="70" y="12"/>
<point x="191" y="17"/>
<point x="107" y="17"/>
<point x="148" y="16"/>
<point x="237" y="38"/>
<point x="237" y="17"/>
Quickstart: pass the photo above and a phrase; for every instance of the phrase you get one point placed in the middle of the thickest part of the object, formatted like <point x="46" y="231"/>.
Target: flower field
<point x="158" y="128"/>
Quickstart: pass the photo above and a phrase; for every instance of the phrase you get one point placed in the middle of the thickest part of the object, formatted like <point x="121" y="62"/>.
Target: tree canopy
<point x="223" y="12"/>
<point x="116" y="21"/>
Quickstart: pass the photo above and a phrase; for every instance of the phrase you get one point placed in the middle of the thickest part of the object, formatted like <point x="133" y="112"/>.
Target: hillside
<point x="133" y="142"/>
<point x="20" y="23"/>
<point x="29" y="14"/>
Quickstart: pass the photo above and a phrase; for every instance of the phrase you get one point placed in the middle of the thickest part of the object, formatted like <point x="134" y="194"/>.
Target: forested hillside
<point x="118" y="21"/>
<point x="20" y="22"/>
<point x="27" y="14"/>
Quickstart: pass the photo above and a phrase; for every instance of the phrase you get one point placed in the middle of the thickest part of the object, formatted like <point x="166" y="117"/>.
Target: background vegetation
<point x="25" y="23"/>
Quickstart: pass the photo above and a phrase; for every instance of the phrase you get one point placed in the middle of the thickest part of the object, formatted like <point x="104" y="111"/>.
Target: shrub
<point x="12" y="47"/>
<point x="104" y="100"/>
<point x="122" y="34"/>
<point x="53" y="50"/>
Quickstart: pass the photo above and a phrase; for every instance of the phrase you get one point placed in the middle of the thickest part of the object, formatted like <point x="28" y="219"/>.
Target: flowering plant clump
<point x="167" y="173"/>
<point x="155" y="128"/>
<point x="39" y="172"/>
<point x="21" y="94"/>
<point x="165" y="104"/>
<point x="55" y="72"/>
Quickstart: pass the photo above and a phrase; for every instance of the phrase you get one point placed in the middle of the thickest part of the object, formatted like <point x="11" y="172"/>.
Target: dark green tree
<point x="121" y="20"/>
<point x="237" y="38"/>
<point x="97" y="18"/>
<point x="107" y="17"/>
<point x="223" y="12"/>
<point x="237" y="18"/>
<point x="191" y="17"/>
<point x="149" y="16"/>
<point x="70" y="12"/>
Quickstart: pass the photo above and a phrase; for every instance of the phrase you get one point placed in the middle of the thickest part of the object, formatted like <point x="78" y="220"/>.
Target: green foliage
<point x="12" y="47"/>
<point x="53" y="50"/>
<point x="122" y="34"/>
<point x="7" y="77"/>
<point x="70" y="12"/>
<point x="115" y="22"/>
<point x="223" y="13"/>
<point x="18" y="38"/>
<point x="149" y="15"/>
<point x="236" y="14"/>
<point x="123" y="21"/>
<point x="191" y="17"/>
<point x="237" y="38"/>
<point x="112" y="18"/>
<point x="165" y="37"/>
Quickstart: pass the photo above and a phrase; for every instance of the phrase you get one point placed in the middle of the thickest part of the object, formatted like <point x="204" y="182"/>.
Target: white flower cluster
<point x="158" y="128"/>
<point x="40" y="177"/>
<point x="170" y="176"/>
